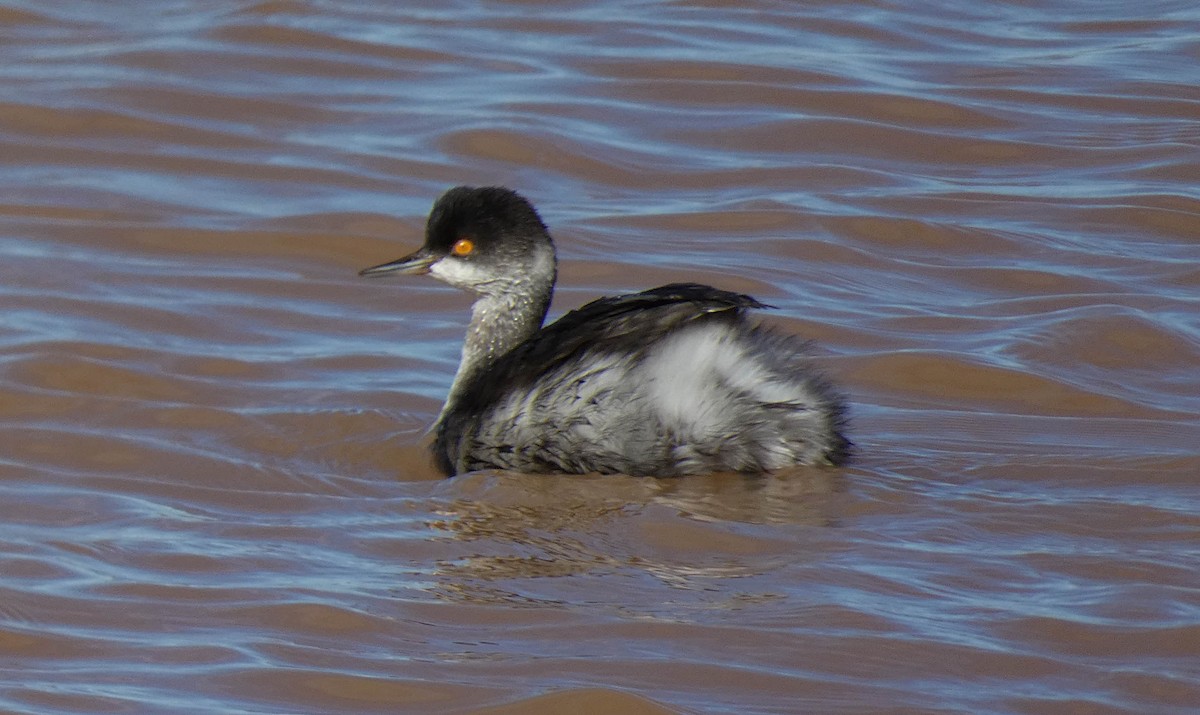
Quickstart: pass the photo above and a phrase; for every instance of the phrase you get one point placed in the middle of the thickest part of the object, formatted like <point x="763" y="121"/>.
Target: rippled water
<point x="214" y="490"/>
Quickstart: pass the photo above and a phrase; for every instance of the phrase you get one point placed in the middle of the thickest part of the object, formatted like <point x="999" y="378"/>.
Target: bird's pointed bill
<point x="414" y="264"/>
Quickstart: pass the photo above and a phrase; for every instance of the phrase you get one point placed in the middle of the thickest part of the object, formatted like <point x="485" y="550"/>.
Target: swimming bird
<point x="670" y="381"/>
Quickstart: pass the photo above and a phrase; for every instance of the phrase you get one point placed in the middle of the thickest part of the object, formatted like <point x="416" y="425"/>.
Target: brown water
<point x="214" y="490"/>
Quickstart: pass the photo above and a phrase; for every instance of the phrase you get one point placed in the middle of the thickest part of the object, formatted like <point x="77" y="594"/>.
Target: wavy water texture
<point x="215" y="495"/>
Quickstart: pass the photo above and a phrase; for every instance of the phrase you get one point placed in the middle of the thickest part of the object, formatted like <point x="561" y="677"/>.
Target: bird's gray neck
<point x="500" y="321"/>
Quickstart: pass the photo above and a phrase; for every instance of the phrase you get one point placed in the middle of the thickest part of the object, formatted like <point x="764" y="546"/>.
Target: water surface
<point x="215" y="495"/>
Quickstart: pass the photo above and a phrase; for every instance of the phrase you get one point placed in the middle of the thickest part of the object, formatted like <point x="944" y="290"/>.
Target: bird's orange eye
<point x="463" y="247"/>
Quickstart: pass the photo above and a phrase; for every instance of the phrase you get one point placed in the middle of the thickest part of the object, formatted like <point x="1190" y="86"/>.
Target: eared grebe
<point x="673" y="380"/>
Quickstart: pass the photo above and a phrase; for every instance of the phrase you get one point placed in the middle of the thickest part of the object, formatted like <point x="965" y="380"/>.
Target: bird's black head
<point x="492" y="217"/>
<point x="481" y="239"/>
